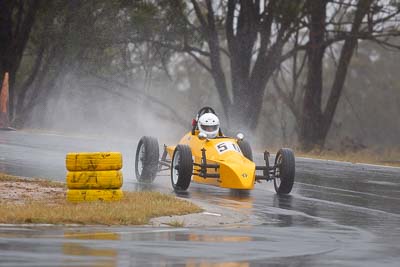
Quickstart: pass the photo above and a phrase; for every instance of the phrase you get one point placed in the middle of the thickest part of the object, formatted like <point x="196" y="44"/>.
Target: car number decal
<point x="227" y="146"/>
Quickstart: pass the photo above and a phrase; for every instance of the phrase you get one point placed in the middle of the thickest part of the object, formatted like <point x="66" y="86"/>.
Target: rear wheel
<point x="284" y="172"/>
<point x="246" y="149"/>
<point x="182" y="168"/>
<point x="146" y="161"/>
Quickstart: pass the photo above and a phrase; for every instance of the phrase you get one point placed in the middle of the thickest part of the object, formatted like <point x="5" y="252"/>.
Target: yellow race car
<point x="220" y="161"/>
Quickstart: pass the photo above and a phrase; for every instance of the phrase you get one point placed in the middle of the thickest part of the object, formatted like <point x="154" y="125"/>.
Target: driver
<point x="208" y="123"/>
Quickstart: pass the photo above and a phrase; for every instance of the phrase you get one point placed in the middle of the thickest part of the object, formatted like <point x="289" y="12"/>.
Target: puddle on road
<point x="182" y="235"/>
<point x="194" y="263"/>
<point x="186" y="247"/>
<point x="92" y="235"/>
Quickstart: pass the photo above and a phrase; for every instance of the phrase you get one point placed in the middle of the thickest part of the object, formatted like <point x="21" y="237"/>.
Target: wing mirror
<point x="202" y="136"/>
<point x="240" y="136"/>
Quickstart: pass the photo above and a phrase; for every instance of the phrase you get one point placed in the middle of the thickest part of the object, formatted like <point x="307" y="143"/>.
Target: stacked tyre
<point x="94" y="176"/>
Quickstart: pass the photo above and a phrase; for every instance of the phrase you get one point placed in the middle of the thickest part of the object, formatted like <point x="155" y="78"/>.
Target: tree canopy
<point x="247" y="48"/>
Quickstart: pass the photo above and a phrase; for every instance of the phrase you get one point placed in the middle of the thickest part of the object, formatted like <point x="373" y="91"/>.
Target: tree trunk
<point x="316" y="122"/>
<point x="14" y="35"/>
<point x="311" y="132"/>
<point x="344" y="61"/>
<point x="6" y="8"/>
<point x="241" y="42"/>
<point x="251" y="33"/>
<point x="218" y="74"/>
<point x="249" y="82"/>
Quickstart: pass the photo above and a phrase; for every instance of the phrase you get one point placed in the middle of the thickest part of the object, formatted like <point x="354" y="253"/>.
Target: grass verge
<point x="136" y="208"/>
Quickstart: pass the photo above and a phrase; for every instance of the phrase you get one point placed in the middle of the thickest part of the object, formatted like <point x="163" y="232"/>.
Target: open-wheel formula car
<point x="221" y="161"/>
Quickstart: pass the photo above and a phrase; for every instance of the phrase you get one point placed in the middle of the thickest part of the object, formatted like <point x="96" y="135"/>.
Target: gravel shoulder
<point x="24" y="190"/>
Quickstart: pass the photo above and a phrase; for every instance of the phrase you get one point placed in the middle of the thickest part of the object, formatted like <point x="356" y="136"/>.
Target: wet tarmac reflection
<point x="100" y="256"/>
<point x="102" y="250"/>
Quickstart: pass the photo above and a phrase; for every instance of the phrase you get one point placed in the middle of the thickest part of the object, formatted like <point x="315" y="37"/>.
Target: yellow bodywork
<point x="236" y="171"/>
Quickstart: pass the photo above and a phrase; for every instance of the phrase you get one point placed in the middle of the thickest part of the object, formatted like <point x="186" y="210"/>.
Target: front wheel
<point x="182" y="168"/>
<point x="284" y="172"/>
<point x="146" y="161"/>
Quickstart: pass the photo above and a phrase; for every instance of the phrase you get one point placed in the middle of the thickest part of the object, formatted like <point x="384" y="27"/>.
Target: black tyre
<point x="246" y="149"/>
<point x="181" y="168"/>
<point x="146" y="161"/>
<point x="284" y="172"/>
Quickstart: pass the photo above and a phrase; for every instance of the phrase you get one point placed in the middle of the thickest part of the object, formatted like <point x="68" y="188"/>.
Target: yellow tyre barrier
<point x="94" y="180"/>
<point x="94" y="161"/>
<point x="76" y="195"/>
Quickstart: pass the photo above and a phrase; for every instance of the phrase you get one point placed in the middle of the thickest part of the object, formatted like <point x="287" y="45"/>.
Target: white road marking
<point x="212" y="214"/>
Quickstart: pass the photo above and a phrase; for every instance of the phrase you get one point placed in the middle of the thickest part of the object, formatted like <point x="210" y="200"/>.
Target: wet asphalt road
<point x="338" y="214"/>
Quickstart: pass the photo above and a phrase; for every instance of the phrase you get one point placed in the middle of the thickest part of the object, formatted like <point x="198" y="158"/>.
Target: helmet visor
<point x="209" y="128"/>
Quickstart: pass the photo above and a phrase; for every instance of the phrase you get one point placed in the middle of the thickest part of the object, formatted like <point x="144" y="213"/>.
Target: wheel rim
<point x="277" y="179"/>
<point x="175" y="164"/>
<point x="142" y="154"/>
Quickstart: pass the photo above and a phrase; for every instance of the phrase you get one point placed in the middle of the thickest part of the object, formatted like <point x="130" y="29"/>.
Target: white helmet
<point x="208" y="123"/>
